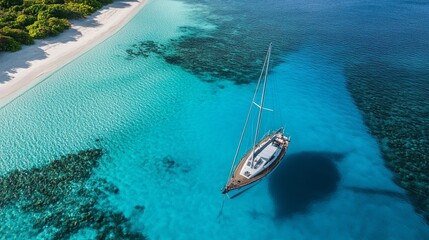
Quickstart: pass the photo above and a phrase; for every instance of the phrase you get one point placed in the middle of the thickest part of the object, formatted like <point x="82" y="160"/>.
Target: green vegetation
<point x="21" y="21"/>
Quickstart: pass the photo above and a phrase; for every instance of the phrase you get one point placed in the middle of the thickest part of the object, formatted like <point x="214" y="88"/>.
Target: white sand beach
<point x="21" y="70"/>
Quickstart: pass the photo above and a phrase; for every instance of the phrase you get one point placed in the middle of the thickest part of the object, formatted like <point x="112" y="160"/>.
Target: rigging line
<point x="275" y="100"/>
<point x="247" y="120"/>
<point x="278" y="100"/>
<point x="221" y="208"/>
<point x="258" y="123"/>
<point x="243" y="191"/>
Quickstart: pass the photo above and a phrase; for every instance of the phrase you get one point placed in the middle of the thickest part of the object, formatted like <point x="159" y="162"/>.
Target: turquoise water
<point x="169" y="138"/>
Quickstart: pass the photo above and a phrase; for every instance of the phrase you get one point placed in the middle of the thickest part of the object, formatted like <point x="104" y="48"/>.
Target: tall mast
<point x="261" y="105"/>
<point x="248" y="115"/>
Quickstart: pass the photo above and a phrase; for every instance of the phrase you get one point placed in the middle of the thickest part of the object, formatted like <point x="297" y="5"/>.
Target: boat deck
<point x="264" y="155"/>
<point x="239" y="181"/>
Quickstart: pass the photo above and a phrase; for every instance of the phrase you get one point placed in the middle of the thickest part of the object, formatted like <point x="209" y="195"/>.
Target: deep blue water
<point x="168" y="117"/>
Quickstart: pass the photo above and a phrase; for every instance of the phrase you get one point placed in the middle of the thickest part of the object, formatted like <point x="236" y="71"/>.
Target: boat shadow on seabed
<point x="308" y="177"/>
<point x="303" y="179"/>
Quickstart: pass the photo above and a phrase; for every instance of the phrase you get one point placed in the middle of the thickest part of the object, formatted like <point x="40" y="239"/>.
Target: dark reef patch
<point x="303" y="179"/>
<point x="63" y="197"/>
<point x="171" y="166"/>
<point x="395" y="105"/>
<point x="144" y="49"/>
<point x="233" y="50"/>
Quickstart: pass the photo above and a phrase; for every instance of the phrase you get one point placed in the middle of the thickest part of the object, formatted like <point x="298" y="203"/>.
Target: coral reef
<point x="171" y="166"/>
<point x="63" y="196"/>
<point x="144" y="49"/>
<point x="396" y="109"/>
<point x="233" y="50"/>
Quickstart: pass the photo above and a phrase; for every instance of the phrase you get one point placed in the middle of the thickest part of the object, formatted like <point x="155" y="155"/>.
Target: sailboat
<point x="266" y="153"/>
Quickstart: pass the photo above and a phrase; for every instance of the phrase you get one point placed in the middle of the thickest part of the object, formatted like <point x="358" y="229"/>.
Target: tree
<point x="10" y="3"/>
<point x="50" y="27"/>
<point x="18" y="35"/>
<point x="80" y="9"/>
<point x="9" y="44"/>
<point x="25" y="20"/>
<point x="59" y="11"/>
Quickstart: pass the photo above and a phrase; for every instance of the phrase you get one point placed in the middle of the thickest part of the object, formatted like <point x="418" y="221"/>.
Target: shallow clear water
<point x="169" y="139"/>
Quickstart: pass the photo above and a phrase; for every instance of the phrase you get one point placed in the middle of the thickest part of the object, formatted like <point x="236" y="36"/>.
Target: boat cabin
<point x="263" y="157"/>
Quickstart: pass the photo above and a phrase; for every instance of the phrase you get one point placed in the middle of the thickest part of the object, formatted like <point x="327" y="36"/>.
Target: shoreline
<point x="20" y="71"/>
